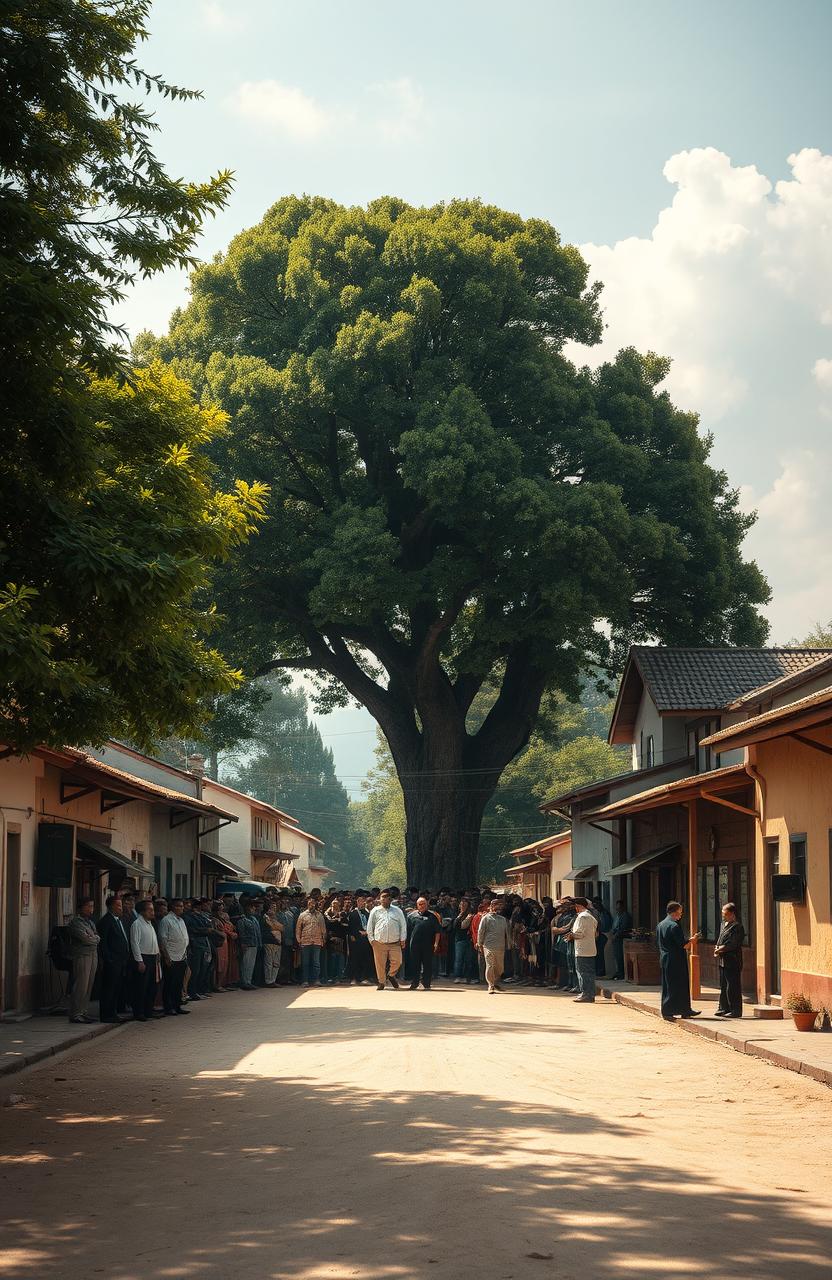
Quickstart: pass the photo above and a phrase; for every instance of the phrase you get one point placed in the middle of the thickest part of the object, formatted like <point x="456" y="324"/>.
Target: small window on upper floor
<point x="798" y="850"/>
<point x="651" y="753"/>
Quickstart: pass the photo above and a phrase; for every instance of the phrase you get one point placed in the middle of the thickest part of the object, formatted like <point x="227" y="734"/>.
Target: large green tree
<point x="454" y="502"/>
<point x="107" y="514"/>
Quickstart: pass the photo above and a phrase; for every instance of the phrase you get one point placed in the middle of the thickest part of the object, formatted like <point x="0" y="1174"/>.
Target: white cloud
<point x="400" y="108"/>
<point x="823" y="373"/>
<point x="218" y="17"/>
<point x="282" y="108"/>
<point x="734" y="283"/>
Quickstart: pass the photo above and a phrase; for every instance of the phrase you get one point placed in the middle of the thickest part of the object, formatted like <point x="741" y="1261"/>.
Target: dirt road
<point x="350" y="1133"/>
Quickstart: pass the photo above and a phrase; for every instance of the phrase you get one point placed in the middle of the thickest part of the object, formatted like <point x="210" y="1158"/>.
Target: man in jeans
<point x="248" y="933"/>
<point x="584" y="930"/>
<point x="310" y="934"/>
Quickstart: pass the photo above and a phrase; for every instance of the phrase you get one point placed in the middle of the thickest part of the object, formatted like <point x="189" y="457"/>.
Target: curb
<point x="51" y="1050"/>
<point x="750" y="1047"/>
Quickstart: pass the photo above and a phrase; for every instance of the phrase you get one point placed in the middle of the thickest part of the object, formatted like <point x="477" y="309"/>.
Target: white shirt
<point x="143" y="940"/>
<point x="584" y="928"/>
<point x="173" y="935"/>
<point x="386" y="924"/>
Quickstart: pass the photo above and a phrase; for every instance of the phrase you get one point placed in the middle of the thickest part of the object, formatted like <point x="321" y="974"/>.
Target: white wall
<point x="235" y="840"/>
<point x="141" y="767"/>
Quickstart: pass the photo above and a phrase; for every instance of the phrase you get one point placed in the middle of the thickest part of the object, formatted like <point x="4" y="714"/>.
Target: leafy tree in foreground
<point x="454" y="504"/>
<point x="105" y="512"/>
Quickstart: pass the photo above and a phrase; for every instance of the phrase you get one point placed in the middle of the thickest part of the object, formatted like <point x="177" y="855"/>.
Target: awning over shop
<point x="581" y="873"/>
<point x="536" y="865"/>
<point x="633" y="864"/>
<point x="320" y="869"/>
<point x="699" y="786"/>
<point x="282" y="873"/>
<point x="223" y="866"/>
<point x="103" y="856"/>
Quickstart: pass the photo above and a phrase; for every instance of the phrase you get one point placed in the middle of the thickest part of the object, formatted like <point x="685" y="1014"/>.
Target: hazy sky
<point x="686" y="147"/>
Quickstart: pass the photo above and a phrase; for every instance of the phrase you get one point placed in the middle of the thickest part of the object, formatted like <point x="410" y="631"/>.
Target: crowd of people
<point x="149" y="957"/>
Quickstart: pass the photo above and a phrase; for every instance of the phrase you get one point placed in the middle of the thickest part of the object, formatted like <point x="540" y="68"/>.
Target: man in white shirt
<point x="144" y="949"/>
<point x="173" y="944"/>
<point x="584" y="929"/>
<point x="387" y="935"/>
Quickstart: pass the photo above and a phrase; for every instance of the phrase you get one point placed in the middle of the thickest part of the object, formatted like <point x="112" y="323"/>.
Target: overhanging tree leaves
<point x="106" y="513"/>
<point x="454" y="503"/>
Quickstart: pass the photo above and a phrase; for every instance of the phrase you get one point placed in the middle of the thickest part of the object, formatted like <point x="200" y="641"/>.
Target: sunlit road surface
<point x="298" y="1135"/>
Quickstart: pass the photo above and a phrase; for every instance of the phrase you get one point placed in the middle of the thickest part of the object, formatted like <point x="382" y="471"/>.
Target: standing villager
<point x="728" y="951"/>
<point x="673" y="947"/>
<point x="83" y="949"/>
<point x="144" y="948"/>
<point x="387" y="933"/>
<point x="464" y="953"/>
<point x="604" y="926"/>
<point x="172" y="933"/>
<point x="424" y="929"/>
<point x="583" y="934"/>
<point x="271" y="935"/>
<point x="200" y="927"/>
<point x="361" y="955"/>
<point x="113" y="956"/>
<point x="492" y="940"/>
<point x="622" y="924"/>
<point x="248" y="932"/>
<point x="564" y="949"/>
<point x="310" y="935"/>
<point x="336" y="941"/>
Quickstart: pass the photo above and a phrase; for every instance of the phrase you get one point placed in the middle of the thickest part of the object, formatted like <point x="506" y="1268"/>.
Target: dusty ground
<point x="297" y="1136"/>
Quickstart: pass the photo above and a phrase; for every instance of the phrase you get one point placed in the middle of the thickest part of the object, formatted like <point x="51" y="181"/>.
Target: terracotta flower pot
<point x="804" y="1021"/>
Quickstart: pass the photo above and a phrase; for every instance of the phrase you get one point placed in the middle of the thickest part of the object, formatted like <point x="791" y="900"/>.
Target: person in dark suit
<point x="113" y="957"/>
<point x="423" y="929"/>
<point x="361" y="955"/>
<point x="674" y="964"/>
<point x="728" y="951"/>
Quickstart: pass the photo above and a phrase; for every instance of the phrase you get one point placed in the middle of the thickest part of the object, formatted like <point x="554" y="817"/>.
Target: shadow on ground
<point x="186" y="1176"/>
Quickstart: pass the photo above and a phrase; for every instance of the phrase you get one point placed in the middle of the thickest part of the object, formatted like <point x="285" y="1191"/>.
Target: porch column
<point x="693" y="904"/>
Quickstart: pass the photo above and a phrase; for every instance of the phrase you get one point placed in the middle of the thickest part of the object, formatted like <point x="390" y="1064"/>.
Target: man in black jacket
<point x="728" y="951"/>
<point x="423" y="928"/>
<point x="361" y="955"/>
<point x="113" y="956"/>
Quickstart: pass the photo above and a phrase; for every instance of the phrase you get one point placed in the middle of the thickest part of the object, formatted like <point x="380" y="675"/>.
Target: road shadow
<point x="288" y="1179"/>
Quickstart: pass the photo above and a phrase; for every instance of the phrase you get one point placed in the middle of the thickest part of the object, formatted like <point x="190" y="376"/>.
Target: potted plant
<point x="800" y="1007"/>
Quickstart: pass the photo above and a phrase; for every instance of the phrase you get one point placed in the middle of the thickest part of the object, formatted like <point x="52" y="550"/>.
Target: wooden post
<point x="693" y="903"/>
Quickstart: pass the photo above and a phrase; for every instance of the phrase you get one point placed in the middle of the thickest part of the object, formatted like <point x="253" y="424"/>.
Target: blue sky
<point x="686" y="147"/>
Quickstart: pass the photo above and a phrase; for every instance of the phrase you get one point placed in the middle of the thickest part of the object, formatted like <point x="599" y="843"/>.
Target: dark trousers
<point x="675" y="986"/>
<point x="421" y="960"/>
<point x="600" y="955"/>
<point x="113" y="979"/>
<point x="362" y="967"/>
<point x="144" y="988"/>
<point x="730" y="991"/>
<point x="201" y="957"/>
<point x="618" y="952"/>
<point x="173" y="975"/>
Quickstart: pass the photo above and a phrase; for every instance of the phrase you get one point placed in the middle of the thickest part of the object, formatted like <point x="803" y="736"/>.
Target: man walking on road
<point x="387" y="934"/>
<point x="674" y="963"/>
<point x="424" y="928"/>
<point x="172" y="933"/>
<point x="583" y="934"/>
<point x="492" y="941"/>
<point x="728" y="951"/>
<point x="83" y="942"/>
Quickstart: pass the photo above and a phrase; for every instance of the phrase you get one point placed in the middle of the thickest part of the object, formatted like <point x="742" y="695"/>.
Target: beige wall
<point x="798" y="800"/>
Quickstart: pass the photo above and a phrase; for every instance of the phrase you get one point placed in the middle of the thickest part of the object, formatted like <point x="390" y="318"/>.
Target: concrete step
<point x="767" y="1012"/>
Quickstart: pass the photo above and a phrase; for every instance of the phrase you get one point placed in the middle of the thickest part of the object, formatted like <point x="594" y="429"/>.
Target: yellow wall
<point x="798" y="800"/>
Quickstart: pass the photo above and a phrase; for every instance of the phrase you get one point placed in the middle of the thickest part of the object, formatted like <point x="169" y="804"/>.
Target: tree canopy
<point x="109" y="510"/>
<point x="455" y="505"/>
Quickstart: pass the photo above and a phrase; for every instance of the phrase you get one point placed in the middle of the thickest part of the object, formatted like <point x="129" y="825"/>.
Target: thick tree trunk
<point x="443" y="830"/>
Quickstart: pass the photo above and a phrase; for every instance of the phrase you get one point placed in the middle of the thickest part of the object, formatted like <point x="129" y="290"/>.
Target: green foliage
<point x="380" y="821"/>
<point x="820" y="637"/>
<point x="284" y="762"/>
<point x="108" y="511"/>
<point x="455" y="506"/>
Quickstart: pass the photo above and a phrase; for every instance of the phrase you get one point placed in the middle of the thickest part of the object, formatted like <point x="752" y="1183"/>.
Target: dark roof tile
<point x="709" y="679"/>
